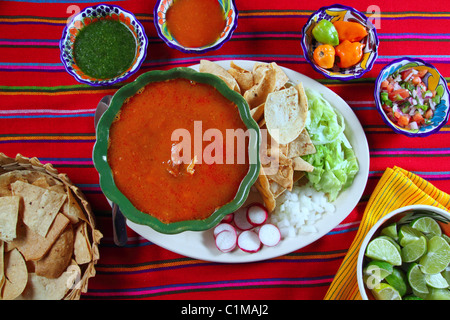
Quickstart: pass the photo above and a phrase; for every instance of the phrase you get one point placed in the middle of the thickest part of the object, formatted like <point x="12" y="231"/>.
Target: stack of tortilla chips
<point x="281" y="108"/>
<point x="47" y="239"/>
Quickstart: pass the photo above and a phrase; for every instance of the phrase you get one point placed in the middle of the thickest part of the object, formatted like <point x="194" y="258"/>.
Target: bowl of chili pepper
<point x="340" y="42"/>
<point x="412" y="97"/>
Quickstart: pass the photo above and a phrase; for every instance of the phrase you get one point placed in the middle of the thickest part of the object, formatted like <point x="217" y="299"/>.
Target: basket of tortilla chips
<point x="281" y="109"/>
<point x="48" y="240"/>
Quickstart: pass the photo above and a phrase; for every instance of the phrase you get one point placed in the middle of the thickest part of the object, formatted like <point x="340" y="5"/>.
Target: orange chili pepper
<point x="349" y="53"/>
<point x="351" y="31"/>
<point x="324" y="56"/>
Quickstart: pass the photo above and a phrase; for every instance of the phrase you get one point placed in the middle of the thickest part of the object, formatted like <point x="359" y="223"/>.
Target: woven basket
<point x="8" y="164"/>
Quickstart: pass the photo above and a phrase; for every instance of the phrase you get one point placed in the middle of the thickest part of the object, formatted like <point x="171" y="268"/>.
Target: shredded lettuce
<point x="335" y="163"/>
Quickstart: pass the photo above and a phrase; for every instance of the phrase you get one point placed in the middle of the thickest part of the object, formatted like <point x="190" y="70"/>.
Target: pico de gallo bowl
<point x="412" y="97"/>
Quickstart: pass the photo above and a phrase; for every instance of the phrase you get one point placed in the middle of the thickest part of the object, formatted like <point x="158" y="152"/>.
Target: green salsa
<point x="104" y="49"/>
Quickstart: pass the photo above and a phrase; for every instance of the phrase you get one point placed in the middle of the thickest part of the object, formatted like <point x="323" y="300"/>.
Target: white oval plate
<point x="200" y="245"/>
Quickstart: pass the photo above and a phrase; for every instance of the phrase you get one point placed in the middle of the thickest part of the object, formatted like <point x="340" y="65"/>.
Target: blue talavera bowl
<point x="230" y="13"/>
<point x="90" y="15"/>
<point x="433" y="80"/>
<point x="338" y="12"/>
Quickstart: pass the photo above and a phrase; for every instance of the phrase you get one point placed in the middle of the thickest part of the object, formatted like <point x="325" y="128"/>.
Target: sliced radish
<point x="240" y="219"/>
<point x="248" y="241"/>
<point x="226" y="240"/>
<point x="223" y="226"/>
<point x="228" y="218"/>
<point x="256" y="214"/>
<point x="269" y="235"/>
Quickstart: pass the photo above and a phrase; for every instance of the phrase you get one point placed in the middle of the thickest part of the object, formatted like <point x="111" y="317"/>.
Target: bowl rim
<point x="386" y="120"/>
<point x="104" y="170"/>
<point x="216" y="46"/>
<point x="110" y="81"/>
<point x="350" y="76"/>
<point x="375" y="228"/>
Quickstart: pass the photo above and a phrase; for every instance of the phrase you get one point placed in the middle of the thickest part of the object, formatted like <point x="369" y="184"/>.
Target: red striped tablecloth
<point x="45" y="113"/>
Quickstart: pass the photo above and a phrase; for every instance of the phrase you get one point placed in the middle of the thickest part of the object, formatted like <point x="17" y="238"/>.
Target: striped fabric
<point x="45" y="113"/>
<point x="397" y="188"/>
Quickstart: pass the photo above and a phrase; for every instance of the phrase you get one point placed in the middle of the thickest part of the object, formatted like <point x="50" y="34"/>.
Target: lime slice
<point x="392" y="241"/>
<point x="446" y="237"/>
<point x="436" y="281"/>
<point x="375" y="271"/>
<point x="390" y="231"/>
<point x="414" y="249"/>
<point x="384" y="250"/>
<point x="398" y="281"/>
<point x="406" y="234"/>
<point x="438" y="256"/>
<point x="416" y="279"/>
<point x="446" y="274"/>
<point x="386" y="292"/>
<point x="427" y="225"/>
<point x="438" y="294"/>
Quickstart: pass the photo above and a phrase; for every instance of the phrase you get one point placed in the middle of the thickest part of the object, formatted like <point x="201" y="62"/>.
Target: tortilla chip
<point x="2" y="266"/>
<point x="302" y="165"/>
<point x="40" y="206"/>
<point x="257" y="112"/>
<point x="16" y="275"/>
<point x="56" y="260"/>
<point x="284" y="114"/>
<point x="243" y="77"/>
<point x="9" y="213"/>
<point x="207" y="66"/>
<point x="71" y="209"/>
<point x="41" y="288"/>
<point x="30" y="176"/>
<point x="257" y="94"/>
<point x="259" y="68"/>
<point x="82" y="249"/>
<point x="262" y="185"/>
<point x="34" y="246"/>
<point x="301" y="146"/>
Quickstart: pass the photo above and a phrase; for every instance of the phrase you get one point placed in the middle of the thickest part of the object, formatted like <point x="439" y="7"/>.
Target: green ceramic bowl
<point x="110" y="189"/>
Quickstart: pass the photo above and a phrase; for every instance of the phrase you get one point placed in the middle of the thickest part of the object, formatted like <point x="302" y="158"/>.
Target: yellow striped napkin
<point x="397" y="188"/>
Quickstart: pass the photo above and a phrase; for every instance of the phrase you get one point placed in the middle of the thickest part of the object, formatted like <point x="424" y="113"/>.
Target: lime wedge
<point x="446" y="274"/>
<point x="414" y="249"/>
<point x="398" y="281"/>
<point x="446" y="237"/>
<point x="427" y="225"/>
<point x="436" y="281"/>
<point x="438" y="294"/>
<point x="416" y="279"/>
<point x="438" y="256"/>
<point x="386" y="292"/>
<point x="390" y="231"/>
<point x="375" y="271"/>
<point x="406" y="234"/>
<point x="384" y="250"/>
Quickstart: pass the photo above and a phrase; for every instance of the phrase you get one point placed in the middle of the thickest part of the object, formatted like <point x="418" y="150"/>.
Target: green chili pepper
<point x="325" y="32"/>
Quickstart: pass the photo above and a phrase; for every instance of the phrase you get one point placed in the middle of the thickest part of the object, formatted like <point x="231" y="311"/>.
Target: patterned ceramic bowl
<point x="334" y="13"/>
<point x="433" y="80"/>
<point x="401" y="216"/>
<point x="100" y="151"/>
<point x="160" y="11"/>
<point x="88" y="16"/>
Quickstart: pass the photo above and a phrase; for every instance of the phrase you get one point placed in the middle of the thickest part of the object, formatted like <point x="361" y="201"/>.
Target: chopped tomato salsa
<point x="406" y="99"/>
